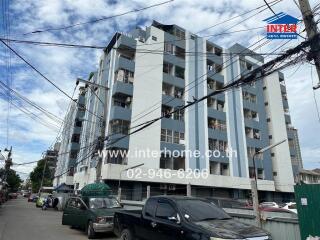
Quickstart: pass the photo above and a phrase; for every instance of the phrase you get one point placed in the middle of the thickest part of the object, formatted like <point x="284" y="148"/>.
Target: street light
<point x="124" y="170"/>
<point x="254" y="183"/>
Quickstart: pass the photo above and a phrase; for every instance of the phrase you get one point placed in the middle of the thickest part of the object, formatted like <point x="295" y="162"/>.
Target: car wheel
<point x="126" y="234"/>
<point x="90" y="231"/>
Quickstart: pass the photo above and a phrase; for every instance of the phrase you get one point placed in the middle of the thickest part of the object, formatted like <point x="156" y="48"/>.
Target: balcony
<point x="170" y="58"/>
<point x="122" y="87"/>
<point x="118" y="112"/>
<point x="167" y="78"/>
<point x="123" y="62"/>
<point x="168" y="123"/>
<point x="123" y="143"/>
<point x="213" y="113"/>
<point x="217" y="76"/>
<point x="217" y="134"/>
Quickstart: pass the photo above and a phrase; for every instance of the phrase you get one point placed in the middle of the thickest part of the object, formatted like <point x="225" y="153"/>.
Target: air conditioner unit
<point x="182" y="141"/>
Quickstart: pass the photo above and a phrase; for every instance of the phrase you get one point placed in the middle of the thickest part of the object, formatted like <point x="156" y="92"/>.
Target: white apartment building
<point x="154" y="71"/>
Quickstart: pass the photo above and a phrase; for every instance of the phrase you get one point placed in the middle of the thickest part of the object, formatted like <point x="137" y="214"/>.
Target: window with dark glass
<point x="179" y="72"/>
<point x="179" y="52"/>
<point x="167" y="68"/>
<point x="164" y="211"/>
<point x="75" y="138"/>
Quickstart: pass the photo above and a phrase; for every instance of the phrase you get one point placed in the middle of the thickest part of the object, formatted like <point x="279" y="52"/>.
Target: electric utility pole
<point x="312" y="30"/>
<point x="102" y="136"/>
<point x="7" y="163"/>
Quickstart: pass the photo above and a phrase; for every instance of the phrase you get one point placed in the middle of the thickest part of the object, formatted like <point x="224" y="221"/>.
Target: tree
<point x="12" y="178"/>
<point x="36" y="176"/>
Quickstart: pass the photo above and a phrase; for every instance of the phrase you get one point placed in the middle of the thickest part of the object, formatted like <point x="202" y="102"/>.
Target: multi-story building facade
<point x="151" y="72"/>
<point x="70" y="141"/>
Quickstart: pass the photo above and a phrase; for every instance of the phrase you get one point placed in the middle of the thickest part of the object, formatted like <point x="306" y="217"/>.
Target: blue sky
<point x="63" y="65"/>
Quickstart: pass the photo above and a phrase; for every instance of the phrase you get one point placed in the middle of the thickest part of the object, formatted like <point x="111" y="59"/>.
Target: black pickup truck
<point x="182" y="218"/>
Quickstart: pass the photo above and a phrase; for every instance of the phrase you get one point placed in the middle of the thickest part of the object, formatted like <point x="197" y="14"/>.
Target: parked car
<point x="93" y="214"/>
<point x="13" y="195"/>
<point x="33" y="198"/>
<point x="182" y="218"/>
<point x="291" y="206"/>
<point x="25" y="193"/>
<point x="269" y="205"/>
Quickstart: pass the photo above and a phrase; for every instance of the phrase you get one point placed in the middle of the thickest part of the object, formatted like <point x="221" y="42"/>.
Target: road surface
<point x="20" y="220"/>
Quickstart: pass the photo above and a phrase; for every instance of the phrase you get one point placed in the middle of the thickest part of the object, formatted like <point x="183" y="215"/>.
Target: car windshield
<point x="103" y="203"/>
<point x="196" y="210"/>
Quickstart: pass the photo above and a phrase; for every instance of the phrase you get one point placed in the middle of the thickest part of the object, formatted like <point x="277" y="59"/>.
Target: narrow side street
<point x="22" y="220"/>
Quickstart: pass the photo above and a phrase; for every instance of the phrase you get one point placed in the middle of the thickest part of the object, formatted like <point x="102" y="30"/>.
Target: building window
<point x="154" y="38"/>
<point x="78" y="123"/>
<point x="167" y="89"/>
<point x="249" y="97"/>
<point x="170" y="136"/>
<point x="180" y="34"/>
<point x="73" y="154"/>
<point x="219" y="145"/>
<point x="119" y="126"/>
<point x="168" y="48"/>
<point x="122" y="100"/>
<point x="178" y="93"/>
<point x="270" y="136"/>
<point x="176" y="137"/>
<point x="75" y="138"/>
<point x="123" y="75"/>
<point x="179" y="52"/>
<point x="168" y="68"/>
<point x="178" y="115"/>
<point x="249" y="114"/>
<point x="166" y="111"/>
<point x="220" y="106"/>
<point x="179" y="72"/>
<point x="217" y="124"/>
<point x="218" y="51"/>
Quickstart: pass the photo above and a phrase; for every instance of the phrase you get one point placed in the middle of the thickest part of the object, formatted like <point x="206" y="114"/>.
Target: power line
<point x="230" y="19"/>
<point x="100" y="19"/>
<point x="70" y="45"/>
<point x="35" y="69"/>
<point x="270" y="7"/>
<point x="43" y="76"/>
<point x="194" y="82"/>
<point x="25" y="99"/>
<point x="243" y="80"/>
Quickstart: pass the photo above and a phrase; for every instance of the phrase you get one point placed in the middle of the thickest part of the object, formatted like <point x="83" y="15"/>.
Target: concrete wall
<point x="281" y="161"/>
<point x="147" y="92"/>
